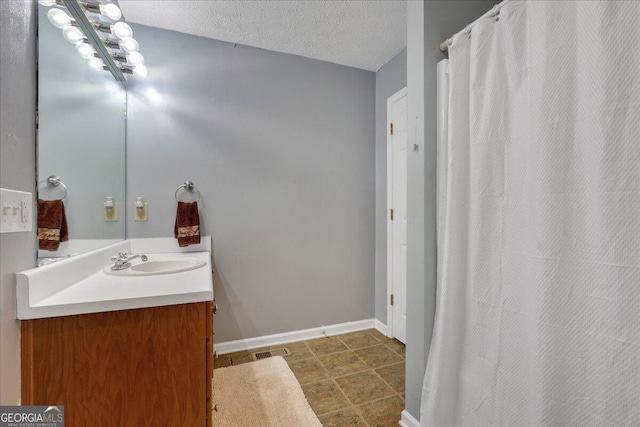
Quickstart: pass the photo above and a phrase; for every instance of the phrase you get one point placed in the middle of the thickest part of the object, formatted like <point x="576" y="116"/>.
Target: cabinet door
<point x="133" y="367"/>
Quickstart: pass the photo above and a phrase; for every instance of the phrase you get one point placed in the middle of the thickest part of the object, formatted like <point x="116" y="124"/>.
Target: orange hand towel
<point x="187" y="226"/>
<point x="52" y="224"/>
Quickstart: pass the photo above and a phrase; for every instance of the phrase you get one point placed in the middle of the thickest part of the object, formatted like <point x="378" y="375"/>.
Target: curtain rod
<point x="444" y="46"/>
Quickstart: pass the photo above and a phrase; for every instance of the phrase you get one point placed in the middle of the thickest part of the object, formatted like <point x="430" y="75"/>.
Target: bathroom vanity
<point x="144" y="367"/>
<point x="119" y="350"/>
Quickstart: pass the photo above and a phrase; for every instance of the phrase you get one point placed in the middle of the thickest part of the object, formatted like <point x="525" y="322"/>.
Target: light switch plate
<point x="16" y="211"/>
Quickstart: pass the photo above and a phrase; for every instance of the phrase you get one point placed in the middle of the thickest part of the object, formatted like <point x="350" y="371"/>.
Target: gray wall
<point x="429" y="23"/>
<point x="389" y="79"/>
<point x="17" y="171"/>
<point x="282" y="149"/>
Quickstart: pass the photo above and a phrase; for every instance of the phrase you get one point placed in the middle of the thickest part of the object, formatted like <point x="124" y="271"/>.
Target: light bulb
<point x="121" y="30"/>
<point x="96" y="63"/>
<point x="73" y="34"/>
<point x="85" y="50"/>
<point x="129" y="44"/>
<point x="135" y="58"/>
<point x="59" y="18"/>
<point x="141" y="71"/>
<point x="47" y="2"/>
<point x="111" y="11"/>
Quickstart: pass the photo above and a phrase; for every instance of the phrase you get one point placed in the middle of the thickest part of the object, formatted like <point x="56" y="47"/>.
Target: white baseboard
<point x="381" y="327"/>
<point x="287" y="337"/>
<point x="407" y="420"/>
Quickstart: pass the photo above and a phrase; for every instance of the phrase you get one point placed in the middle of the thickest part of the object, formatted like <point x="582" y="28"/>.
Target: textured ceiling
<point x="362" y="34"/>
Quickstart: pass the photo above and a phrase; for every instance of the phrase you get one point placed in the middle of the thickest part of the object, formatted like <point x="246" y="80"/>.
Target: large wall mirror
<point x="81" y="140"/>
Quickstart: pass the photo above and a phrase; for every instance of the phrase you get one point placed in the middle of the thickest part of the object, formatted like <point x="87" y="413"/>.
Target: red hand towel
<point x="52" y="224"/>
<point x="187" y="225"/>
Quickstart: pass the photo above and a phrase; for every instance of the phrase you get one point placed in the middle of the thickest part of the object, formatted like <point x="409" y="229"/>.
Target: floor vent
<point x="270" y="353"/>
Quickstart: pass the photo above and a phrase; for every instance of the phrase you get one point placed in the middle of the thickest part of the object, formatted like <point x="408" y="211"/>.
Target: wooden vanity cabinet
<point x="143" y="367"/>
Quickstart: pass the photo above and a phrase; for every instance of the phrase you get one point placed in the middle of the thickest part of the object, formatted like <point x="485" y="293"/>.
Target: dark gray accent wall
<point x="389" y="79"/>
<point x="17" y="171"/>
<point x="429" y="23"/>
<point x="282" y="149"/>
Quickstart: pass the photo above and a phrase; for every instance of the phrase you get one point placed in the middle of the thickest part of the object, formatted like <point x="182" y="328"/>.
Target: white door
<point x="397" y="221"/>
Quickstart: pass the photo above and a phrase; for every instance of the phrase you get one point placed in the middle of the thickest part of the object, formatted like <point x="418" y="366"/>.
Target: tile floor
<point x="355" y="379"/>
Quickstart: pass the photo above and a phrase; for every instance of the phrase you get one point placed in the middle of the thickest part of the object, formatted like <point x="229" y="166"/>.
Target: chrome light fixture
<point x="95" y="27"/>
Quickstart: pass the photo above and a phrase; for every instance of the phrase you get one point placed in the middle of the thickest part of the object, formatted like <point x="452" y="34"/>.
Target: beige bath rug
<point x="260" y="394"/>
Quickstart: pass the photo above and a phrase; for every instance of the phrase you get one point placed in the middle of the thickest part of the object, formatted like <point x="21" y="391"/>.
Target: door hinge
<point x="391" y="299"/>
<point x="391" y="128"/>
<point x="391" y="214"/>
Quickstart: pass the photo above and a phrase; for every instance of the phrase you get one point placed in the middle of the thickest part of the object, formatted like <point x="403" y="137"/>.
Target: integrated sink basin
<point x="85" y="283"/>
<point x="158" y="266"/>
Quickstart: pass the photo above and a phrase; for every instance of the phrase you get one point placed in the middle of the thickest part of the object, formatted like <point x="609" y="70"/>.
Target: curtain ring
<point x="496" y="12"/>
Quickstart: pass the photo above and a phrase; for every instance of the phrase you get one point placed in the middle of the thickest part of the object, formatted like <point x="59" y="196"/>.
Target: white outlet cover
<point x="16" y="211"/>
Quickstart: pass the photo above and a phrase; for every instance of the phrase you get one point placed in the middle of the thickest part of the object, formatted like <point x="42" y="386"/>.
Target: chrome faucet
<point x="123" y="260"/>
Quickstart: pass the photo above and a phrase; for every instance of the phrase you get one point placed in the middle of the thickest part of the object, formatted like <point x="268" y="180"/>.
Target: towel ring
<point x="55" y="181"/>
<point x="188" y="186"/>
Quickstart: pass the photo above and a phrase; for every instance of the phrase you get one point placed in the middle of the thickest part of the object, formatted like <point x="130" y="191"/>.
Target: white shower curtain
<point x="538" y="301"/>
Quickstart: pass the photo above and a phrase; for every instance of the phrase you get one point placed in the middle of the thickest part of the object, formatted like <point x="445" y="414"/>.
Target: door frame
<point x="393" y="98"/>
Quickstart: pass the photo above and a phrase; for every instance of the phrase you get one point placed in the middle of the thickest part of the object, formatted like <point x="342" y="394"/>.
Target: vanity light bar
<point x="92" y="38"/>
<point x="87" y="33"/>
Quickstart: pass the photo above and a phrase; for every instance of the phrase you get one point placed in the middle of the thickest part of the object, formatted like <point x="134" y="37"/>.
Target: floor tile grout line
<point x="376" y="400"/>
<point x="334" y="382"/>
<point x="381" y="366"/>
<point x="360" y="413"/>
<point x="380" y="342"/>
<point x="405" y="379"/>
<point x="342" y="409"/>
<point x="389" y="364"/>
<point x="350" y="373"/>
<point x="403" y="357"/>
<point x="363" y="361"/>
<point x="333" y="379"/>
<point x="350" y="402"/>
<point x="387" y="339"/>
<point x="383" y="380"/>
<point x="358" y="408"/>
<point x="394" y="350"/>
<point x="394" y="390"/>
<point x="370" y="401"/>
<point x="374" y="368"/>
<point x="366" y="330"/>
<point x="369" y="368"/>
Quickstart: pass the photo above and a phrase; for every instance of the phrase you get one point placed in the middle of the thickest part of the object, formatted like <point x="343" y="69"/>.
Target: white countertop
<point x="78" y="285"/>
